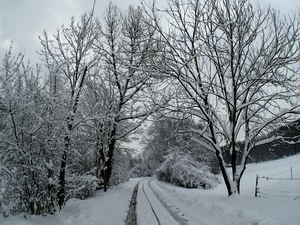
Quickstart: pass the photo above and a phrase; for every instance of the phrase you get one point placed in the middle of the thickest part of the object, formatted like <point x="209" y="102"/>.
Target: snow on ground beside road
<point x="276" y="206"/>
<point x="103" y="209"/>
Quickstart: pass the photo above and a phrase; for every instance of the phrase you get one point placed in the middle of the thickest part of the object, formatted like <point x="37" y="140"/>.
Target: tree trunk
<point x="67" y="139"/>
<point x="62" y="174"/>
<point x="100" y="155"/>
<point x="107" y="170"/>
<point x="232" y="184"/>
<point x="224" y="173"/>
<point x="50" y="200"/>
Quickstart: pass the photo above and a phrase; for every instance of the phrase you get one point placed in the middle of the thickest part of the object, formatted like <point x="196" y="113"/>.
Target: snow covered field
<point x="279" y="203"/>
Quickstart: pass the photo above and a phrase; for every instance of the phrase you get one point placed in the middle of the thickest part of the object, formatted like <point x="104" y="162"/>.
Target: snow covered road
<point x="151" y="209"/>
<point x="163" y="204"/>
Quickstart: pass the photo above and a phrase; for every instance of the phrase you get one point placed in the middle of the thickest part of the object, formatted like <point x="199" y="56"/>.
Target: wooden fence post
<point x="256" y="185"/>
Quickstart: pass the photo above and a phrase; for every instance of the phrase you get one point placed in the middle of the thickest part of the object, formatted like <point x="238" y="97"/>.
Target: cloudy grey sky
<point x="22" y="21"/>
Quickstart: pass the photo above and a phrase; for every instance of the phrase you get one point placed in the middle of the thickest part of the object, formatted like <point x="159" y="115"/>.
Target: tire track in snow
<point x="163" y="214"/>
<point x="182" y="216"/>
<point x="173" y="213"/>
<point x="151" y="206"/>
<point x="131" y="216"/>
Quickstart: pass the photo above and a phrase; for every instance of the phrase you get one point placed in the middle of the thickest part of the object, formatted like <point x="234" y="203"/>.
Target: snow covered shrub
<point x="82" y="187"/>
<point x="7" y="202"/>
<point x="121" y="170"/>
<point x="25" y="190"/>
<point x="184" y="171"/>
<point x="140" y="170"/>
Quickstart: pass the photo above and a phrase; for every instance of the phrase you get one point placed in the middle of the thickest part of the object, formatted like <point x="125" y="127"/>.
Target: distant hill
<point x="276" y="149"/>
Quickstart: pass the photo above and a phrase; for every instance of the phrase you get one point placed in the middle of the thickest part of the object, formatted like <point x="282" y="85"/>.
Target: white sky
<point x="22" y="21"/>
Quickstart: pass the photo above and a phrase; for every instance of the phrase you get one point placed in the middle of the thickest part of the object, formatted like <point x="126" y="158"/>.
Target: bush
<point x="184" y="171"/>
<point x="120" y="173"/>
<point x="140" y="170"/>
<point x="82" y="187"/>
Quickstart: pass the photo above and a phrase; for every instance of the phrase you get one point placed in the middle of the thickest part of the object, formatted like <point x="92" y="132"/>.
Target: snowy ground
<point x="103" y="209"/>
<point x="279" y="203"/>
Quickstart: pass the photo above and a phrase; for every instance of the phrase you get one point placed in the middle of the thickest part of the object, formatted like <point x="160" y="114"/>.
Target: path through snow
<point x="151" y="209"/>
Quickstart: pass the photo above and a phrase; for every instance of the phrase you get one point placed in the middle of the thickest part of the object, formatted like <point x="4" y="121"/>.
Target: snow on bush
<point x="140" y="170"/>
<point x="120" y="173"/>
<point x="184" y="171"/>
<point x="82" y="187"/>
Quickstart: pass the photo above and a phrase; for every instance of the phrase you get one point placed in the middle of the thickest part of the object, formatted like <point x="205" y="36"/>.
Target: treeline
<point x="286" y="146"/>
<point x="64" y="122"/>
<point x="284" y="142"/>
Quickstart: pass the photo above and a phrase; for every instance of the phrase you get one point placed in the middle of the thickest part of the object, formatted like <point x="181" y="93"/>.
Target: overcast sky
<point x="22" y="21"/>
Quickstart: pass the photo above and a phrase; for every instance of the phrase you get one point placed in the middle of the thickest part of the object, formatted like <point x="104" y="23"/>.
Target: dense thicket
<point x="63" y="123"/>
<point x="184" y="170"/>
<point x="168" y="134"/>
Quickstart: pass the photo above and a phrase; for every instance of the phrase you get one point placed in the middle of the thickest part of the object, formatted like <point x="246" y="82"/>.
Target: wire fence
<point x="285" y="187"/>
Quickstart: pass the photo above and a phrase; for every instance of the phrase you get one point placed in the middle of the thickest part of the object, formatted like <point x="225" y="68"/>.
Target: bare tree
<point x="22" y="138"/>
<point x="239" y="67"/>
<point x="127" y="45"/>
<point x="69" y="55"/>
